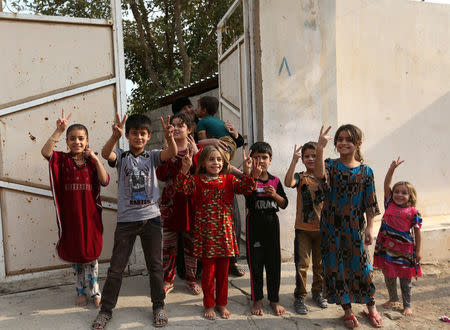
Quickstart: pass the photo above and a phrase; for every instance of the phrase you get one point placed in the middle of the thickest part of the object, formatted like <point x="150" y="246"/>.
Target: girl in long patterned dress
<point x="349" y="193"/>
<point x="212" y="191"/>
<point x="397" y="251"/>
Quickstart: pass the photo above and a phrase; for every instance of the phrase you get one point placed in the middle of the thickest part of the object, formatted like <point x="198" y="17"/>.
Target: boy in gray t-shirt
<point x="137" y="211"/>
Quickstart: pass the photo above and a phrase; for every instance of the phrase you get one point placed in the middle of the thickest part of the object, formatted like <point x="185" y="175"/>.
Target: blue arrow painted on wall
<point x="284" y="63"/>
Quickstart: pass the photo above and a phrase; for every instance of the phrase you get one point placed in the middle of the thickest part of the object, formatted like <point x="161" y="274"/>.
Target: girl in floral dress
<point x="212" y="191"/>
<point x="397" y="251"/>
<point x="349" y="194"/>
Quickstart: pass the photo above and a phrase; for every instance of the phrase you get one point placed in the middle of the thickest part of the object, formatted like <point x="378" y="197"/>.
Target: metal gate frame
<point x="121" y="106"/>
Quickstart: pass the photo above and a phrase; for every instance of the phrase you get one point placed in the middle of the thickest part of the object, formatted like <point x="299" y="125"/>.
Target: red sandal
<point x="355" y="322"/>
<point x="375" y="320"/>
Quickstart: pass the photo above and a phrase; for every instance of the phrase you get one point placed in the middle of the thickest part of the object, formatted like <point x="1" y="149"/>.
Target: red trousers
<point x="215" y="268"/>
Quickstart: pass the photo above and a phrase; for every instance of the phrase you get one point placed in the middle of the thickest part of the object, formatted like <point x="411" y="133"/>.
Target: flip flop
<point x="375" y="320"/>
<point x="194" y="287"/>
<point x="355" y="322"/>
<point x="100" y="321"/>
<point x="160" y="315"/>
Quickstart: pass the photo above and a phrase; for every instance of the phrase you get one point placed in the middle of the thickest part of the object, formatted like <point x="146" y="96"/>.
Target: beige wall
<point x="380" y="64"/>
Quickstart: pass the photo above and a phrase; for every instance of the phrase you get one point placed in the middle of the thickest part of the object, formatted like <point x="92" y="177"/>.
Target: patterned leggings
<point x="405" y="286"/>
<point x="92" y="271"/>
<point x="170" y="247"/>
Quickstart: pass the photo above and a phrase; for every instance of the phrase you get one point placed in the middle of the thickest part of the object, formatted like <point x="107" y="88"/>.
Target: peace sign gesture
<point x="323" y="137"/>
<point x="118" y="126"/>
<point x="167" y="127"/>
<point x="396" y="163"/>
<point x="297" y="153"/>
<point x="186" y="161"/>
<point x="62" y="122"/>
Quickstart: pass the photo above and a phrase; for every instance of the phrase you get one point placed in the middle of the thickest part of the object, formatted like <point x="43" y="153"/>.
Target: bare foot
<point x="223" y="312"/>
<point x="97" y="302"/>
<point x="389" y="304"/>
<point x="81" y="300"/>
<point x="257" y="308"/>
<point x="209" y="314"/>
<point x="407" y="311"/>
<point x="277" y="308"/>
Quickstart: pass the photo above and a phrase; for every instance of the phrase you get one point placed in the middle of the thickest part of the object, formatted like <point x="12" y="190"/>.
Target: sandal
<point x="194" y="287"/>
<point x="355" y="322"/>
<point x="101" y="321"/>
<point x="160" y="318"/>
<point x="375" y="320"/>
<point x="234" y="270"/>
<point x="168" y="287"/>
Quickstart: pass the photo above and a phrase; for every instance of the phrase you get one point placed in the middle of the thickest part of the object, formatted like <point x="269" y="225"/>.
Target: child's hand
<point x="186" y="162"/>
<point x="167" y="127"/>
<point x="368" y="236"/>
<point x="323" y="137"/>
<point x="257" y="169"/>
<point x="230" y="128"/>
<point x="62" y="122"/>
<point x="270" y="191"/>
<point x="89" y="153"/>
<point x="297" y="153"/>
<point x="247" y="162"/>
<point x="118" y="126"/>
<point x="396" y="163"/>
<point x="192" y="145"/>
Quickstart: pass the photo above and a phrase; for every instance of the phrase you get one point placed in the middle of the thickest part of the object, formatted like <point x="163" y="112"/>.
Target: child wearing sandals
<point x="137" y="211"/>
<point x="397" y="250"/>
<point x="75" y="178"/>
<point x="177" y="210"/>
<point x="263" y="232"/>
<point x="212" y="190"/>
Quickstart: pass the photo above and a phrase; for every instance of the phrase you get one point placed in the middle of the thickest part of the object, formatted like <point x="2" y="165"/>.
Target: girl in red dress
<point x="212" y="190"/>
<point x="75" y="178"/>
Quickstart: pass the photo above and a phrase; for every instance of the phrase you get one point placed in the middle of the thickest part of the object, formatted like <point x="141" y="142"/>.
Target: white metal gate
<point x="50" y="63"/>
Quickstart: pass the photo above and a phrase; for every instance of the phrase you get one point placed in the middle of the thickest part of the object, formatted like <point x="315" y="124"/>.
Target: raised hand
<point x="230" y="128"/>
<point x="270" y="190"/>
<point x="396" y="163"/>
<point x="186" y="161"/>
<point x="167" y="127"/>
<point x="257" y="169"/>
<point x="192" y="145"/>
<point x="62" y="122"/>
<point x="118" y="126"/>
<point x="323" y="137"/>
<point x="89" y="153"/>
<point x="247" y="162"/>
<point x="297" y="153"/>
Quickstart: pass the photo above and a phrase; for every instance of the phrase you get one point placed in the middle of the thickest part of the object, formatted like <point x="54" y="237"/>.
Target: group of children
<point x="336" y="205"/>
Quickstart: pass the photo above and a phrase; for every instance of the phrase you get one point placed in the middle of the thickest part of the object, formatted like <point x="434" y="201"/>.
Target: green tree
<point x="168" y="44"/>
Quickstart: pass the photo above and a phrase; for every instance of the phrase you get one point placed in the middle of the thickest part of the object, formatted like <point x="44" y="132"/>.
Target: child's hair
<point x="411" y="191"/>
<point x="311" y="145"/>
<point x="261" y="147"/>
<point x="77" y="126"/>
<point x="356" y="137"/>
<point x="204" y="154"/>
<point x="185" y="118"/>
<point x="210" y="104"/>
<point x="179" y="104"/>
<point x="138" y="121"/>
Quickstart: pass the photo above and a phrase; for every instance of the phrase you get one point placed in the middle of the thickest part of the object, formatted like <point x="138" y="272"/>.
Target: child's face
<point x="214" y="163"/>
<point x="200" y="111"/>
<point x="309" y="159"/>
<point x="189" y="110"/>
<point x="263" y="159"/>
<point x="181" y="131"/>
<point x="138" y="138"/>
<point x="344" y="144"/>
<point x="77" y="141"/>
<point x="400" y="195"/>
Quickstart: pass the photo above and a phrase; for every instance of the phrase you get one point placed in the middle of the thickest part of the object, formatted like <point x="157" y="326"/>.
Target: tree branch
<point x="186" y="61"/>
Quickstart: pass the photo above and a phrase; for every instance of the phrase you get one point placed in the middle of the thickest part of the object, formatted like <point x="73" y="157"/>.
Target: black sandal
<point x="235" y="271"/>
<point x="101" y="321"/>
<point x="160" y="315"/>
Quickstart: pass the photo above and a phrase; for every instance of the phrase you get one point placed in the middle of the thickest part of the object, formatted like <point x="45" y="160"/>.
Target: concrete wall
<point x="380" y="64"/>
<point x="295" y="101"/>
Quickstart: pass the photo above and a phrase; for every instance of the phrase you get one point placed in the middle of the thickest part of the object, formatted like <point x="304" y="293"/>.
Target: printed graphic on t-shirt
<point x="308" y="207"/>
<point x="138" y="181"/>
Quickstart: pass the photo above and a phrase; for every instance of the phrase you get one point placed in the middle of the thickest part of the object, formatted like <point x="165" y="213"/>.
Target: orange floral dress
<point x="213" y="233"/>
